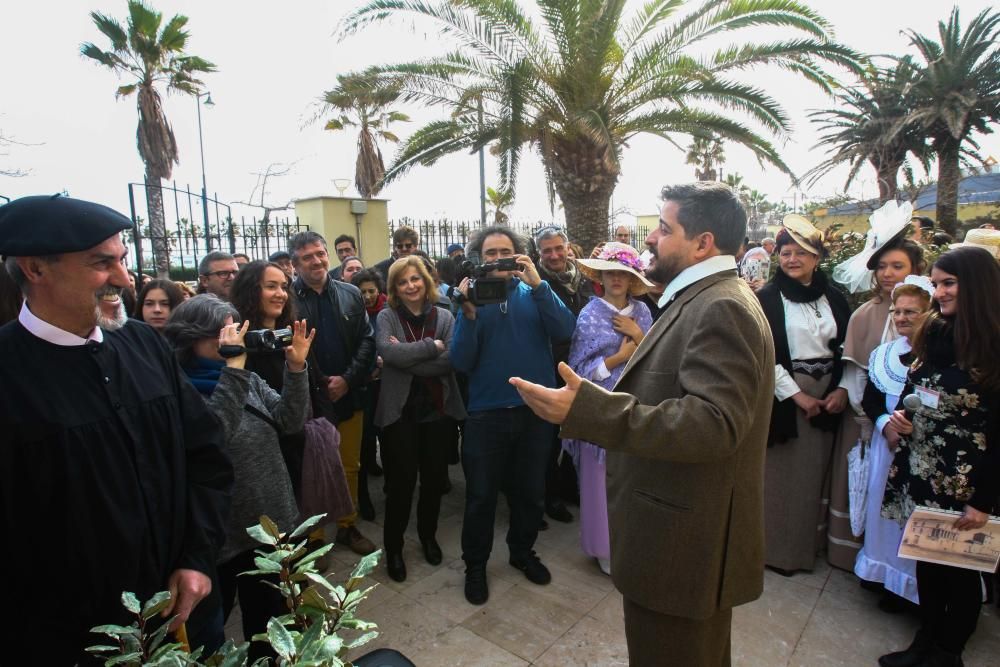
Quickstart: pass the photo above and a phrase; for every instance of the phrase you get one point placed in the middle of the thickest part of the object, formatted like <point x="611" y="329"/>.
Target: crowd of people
<point x="280" y="386"/>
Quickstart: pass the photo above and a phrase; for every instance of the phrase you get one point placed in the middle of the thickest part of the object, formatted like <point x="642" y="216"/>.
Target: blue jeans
<point x="504" y="449"/>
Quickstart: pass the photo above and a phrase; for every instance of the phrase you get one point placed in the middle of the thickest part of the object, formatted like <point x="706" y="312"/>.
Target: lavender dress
<point x="594" y="339"/>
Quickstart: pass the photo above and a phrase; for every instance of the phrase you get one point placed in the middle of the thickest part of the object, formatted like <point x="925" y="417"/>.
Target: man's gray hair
<point x="767" y="239"/>
<point x="200" y="317"/>
<point x="17" y="275"/>
<point x="205" y="265"/>
<point x="548" y="232"/>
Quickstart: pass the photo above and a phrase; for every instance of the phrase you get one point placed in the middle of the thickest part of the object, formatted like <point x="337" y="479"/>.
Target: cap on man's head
<point x="279" y="255"/>
<point x="453" y="247"/>
<point x="53" y="224"/>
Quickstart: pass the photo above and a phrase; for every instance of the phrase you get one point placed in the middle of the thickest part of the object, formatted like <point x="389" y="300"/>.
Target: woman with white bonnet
<point x="887" y="258"/>
<point x="887" y="367"/>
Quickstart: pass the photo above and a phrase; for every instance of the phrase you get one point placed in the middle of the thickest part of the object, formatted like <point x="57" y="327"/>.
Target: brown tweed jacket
<point x="686" y="432"/>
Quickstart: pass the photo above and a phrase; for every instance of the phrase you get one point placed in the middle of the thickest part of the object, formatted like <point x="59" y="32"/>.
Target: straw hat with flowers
<point x="616" y="256"/>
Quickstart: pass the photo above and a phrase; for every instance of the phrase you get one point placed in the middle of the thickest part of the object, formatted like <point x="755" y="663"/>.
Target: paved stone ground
<point x="823" y="618"/>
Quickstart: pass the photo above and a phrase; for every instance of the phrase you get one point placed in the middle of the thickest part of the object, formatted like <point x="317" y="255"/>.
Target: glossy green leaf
<point x="281" y="639"/>
<point x="155" y="604"/>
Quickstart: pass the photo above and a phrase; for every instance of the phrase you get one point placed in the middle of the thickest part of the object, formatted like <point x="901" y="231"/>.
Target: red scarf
<point x="379" y="305"/>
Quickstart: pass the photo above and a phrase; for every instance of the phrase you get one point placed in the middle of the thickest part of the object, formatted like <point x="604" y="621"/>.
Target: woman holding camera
<point x="417" y="406"/>
<point x="948" y="455"/>
<point x="209" y="347"/>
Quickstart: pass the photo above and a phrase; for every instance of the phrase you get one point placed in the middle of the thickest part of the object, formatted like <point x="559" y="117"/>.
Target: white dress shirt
<point x="53" y="334"/>
<point x="696" y="272"/>
<point x="808" y="336"/>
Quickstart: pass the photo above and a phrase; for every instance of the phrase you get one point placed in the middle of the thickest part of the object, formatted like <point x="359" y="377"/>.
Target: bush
<point x="308" y="636"/>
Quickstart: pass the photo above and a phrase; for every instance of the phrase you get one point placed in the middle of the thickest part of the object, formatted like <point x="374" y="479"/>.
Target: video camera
<point x="268" y="339"/>
<point x="482" y="289"/>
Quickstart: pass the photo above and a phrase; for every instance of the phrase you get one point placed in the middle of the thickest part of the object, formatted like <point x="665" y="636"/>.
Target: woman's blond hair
<point x="398" y="268"/>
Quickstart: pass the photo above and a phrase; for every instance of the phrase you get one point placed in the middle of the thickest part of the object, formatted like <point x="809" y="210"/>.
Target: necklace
<point x="814" y="305"/>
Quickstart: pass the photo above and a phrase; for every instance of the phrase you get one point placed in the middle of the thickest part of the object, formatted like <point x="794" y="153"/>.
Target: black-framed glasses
<point x="222" y="274"/>
<point x="405" y="246"/>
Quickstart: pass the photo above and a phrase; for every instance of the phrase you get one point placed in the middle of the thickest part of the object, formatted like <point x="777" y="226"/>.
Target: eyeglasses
<point x="405" y="246"/>
<point x="222" y="274"/>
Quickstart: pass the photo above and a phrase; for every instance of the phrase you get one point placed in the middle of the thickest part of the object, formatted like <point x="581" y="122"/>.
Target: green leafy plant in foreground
<point x="309" y="635"/>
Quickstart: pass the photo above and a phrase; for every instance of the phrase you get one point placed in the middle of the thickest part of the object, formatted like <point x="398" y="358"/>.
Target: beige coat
<point x="686" y="432"/>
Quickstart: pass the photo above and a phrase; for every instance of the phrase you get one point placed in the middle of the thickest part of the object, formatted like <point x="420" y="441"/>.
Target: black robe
<point x="112" y="476"/>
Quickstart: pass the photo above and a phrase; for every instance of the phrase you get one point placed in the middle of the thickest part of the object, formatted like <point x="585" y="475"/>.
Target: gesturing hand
<point x="552" y="405"/>
<point x="298" y="351"/>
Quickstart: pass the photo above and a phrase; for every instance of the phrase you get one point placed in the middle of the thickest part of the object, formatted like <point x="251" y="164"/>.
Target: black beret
<point x="278" y="255"/>
<point x="53" y="224"/>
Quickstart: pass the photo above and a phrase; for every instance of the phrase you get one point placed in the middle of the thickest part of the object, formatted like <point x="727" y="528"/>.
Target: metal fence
<point x="195" y="226"/>
<point x="437" y="235"/>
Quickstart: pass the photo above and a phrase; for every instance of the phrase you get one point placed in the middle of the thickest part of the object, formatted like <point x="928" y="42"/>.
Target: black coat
<point x="112" y="476"/>
<point x="783" y="425"/>
<point x="355" y="331"/>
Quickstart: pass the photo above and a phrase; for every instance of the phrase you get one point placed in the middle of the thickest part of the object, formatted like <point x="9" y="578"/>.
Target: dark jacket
<point x="783" y="420"/>
<point x="575" y="301"/>
<point x="355" y="330"/>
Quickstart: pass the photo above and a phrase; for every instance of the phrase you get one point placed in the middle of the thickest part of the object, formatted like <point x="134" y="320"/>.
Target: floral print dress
<point x="950" y="460"/>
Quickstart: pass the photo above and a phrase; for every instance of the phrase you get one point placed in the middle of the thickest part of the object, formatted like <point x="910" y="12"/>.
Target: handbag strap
<point x="262" y="415"/>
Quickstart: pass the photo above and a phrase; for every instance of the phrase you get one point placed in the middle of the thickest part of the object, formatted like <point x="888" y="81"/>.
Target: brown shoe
<point x="358" y="543"/>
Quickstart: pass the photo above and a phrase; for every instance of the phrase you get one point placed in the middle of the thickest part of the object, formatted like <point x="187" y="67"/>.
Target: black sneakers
<point x="532" y="568"/>
<point x="476" y="591"/>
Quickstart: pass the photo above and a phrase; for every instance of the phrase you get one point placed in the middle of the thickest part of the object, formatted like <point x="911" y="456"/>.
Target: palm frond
<point x="112" y="29"/>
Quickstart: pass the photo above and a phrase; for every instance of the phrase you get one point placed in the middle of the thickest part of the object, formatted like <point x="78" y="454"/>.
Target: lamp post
<point x="201" y="147"/>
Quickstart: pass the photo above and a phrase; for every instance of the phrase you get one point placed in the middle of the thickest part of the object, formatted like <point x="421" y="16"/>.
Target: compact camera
<point x="268" y="339"/>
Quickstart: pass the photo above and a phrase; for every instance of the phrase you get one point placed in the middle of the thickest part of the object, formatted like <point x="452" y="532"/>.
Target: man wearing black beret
<point x="112" y="474"/>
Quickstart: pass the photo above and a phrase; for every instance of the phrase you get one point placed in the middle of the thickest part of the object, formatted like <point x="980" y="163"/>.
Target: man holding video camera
<point x="509" y="319"/>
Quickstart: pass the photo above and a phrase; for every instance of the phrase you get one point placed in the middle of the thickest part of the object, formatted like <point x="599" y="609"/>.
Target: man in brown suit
<point x="686" y="432"/>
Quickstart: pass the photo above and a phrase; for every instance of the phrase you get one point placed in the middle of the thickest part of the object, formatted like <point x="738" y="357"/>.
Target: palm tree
<point x="706" y="153"/>
<point x="872" y="126"/>
<point x="150" y="57"/>
<point x="361" y="103"/>
<point x="957" y="94"/>
<point x="576" y="80"/>
<point x="499" y="200"/>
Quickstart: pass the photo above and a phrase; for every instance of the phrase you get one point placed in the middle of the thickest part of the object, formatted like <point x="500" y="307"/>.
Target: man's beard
<point x="118" y="319"/>
<point x="661" y="270"/>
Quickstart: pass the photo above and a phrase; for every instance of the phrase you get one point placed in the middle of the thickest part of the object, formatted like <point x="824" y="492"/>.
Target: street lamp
<point x="201" y="146"/>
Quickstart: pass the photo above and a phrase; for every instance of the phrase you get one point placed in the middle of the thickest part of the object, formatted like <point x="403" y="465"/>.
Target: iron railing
<point x="187" y="235"/>
<point x="437" y="235"/>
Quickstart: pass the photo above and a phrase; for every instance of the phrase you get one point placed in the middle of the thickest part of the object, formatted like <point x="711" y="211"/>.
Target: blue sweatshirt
<point x="498" y="345"/>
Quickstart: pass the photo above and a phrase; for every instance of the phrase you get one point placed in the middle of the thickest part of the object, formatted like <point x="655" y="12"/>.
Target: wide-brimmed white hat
<point x="616" y="256"/>
<point x="983" y="238"/>
<point x="887" y="225"/>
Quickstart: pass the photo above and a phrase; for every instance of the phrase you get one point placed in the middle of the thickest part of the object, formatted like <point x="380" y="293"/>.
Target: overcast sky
<point x="276" y="58"/>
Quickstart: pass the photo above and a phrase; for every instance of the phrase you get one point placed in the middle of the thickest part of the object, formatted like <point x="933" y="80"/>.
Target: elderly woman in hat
<point x="808" y="317"/>
<point x="608" y="330"/>
<point x="887" y="258"/>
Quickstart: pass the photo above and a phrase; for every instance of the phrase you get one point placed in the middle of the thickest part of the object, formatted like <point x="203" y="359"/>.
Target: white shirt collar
<point x="52" y="334"/>
<point x="696" y="272"/>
